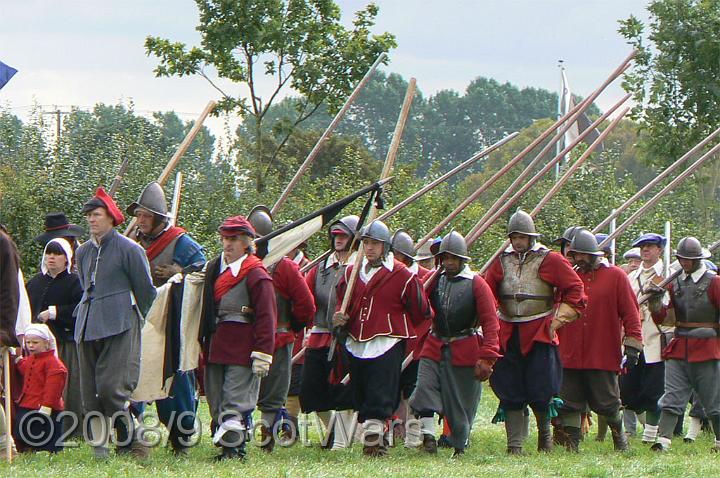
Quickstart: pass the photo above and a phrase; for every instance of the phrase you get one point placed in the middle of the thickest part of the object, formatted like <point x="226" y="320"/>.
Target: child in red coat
<point x="37" y="426"/>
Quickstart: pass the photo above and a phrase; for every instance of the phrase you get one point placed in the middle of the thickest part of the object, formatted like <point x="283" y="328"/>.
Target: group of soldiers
<point x="559" y="334"/>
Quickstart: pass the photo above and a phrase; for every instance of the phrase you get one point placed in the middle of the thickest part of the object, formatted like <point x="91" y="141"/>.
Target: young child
<point x="37" y="426"/>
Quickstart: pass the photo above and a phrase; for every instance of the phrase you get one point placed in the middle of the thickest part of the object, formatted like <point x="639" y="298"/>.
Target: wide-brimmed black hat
<point x="57" y="225"/>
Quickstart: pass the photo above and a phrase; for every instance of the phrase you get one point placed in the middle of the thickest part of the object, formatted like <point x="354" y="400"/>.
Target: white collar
<point x="658" y="268"/>
<point x="466" y="273"/>
<point x="333" y="259"/>
<point x="603" y="262"/>
<point x="298" y="257"/>
<point x="536" y="247"/>
<point x="234" y="266"/>
<point x="414" y="267"/>
<point x="388" y="263"/>
<point x="697" y="275"/>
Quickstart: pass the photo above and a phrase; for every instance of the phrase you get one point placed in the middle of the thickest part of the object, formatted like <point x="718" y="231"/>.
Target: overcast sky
<point x="80" y="52"/>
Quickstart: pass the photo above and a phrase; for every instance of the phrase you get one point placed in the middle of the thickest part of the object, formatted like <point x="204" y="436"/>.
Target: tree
<point x="675" y="83"/>
<point x="294" y="44"/>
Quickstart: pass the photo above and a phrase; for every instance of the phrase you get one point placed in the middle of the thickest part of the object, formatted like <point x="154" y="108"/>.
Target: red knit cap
<point x="236" y="225"/>
<point x="102" y="199"/>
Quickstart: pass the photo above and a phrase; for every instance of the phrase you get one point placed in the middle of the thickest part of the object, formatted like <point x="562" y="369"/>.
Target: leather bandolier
<point x="235" y="306"/>
<point x="326" y="281"/>
<point x="455" y="311"/>
<point x="693" y="309"/>
<point x="164" y="258"/>
<point x="523" y="295"/>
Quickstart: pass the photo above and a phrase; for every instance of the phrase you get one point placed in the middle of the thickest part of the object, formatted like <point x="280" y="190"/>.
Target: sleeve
<point x="629" y="311"/>
<point x="659" y="316"/>
<point x="303" y="303"/>
<point x="416" y="301"/>
<point x="65" y="311"/>
<point x="9" y="290"/>
<point x="21" y="364"/>
<point x="140" y="278"/>
<point x="556" y="270"/>
<point x="493" y="276"/>
<point x="340" y="290"/>
<point x="486" y="308"/>
<point x="262" y="297"/>
<point x="310" y="279"/>
<point x="55" y="378"/>
<point x="188" y="251"/>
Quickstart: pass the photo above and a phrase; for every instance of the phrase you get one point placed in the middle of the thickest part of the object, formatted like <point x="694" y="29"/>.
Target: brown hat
<point x="57" y="225"/>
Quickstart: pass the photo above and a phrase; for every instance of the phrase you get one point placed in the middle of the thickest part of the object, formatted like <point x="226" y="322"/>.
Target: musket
<point x="560" y="182"/>
<point x="326" y="134"/>
<point x="655" y="181"/>
<point x="500" y="208"/>
<point x="655" y="199"/>
<point x="177" y="193"/>
<point x="165" y="174"/>
<point x="664" y="283"/>
<point x="387" y="167"/>
<point x="118" y="177"/>
<point x="566" y="121"/>
<point x="425" y="189"/>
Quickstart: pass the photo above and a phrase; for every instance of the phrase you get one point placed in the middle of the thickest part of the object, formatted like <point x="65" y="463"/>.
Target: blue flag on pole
<point x="6" y="72"/>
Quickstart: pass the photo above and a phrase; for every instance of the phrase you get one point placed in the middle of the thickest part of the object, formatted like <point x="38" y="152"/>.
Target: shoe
<point x="429" y="444"/>
<point x="232" y="453"/>
<point x="686" y="440"/>
<point x="177" y="445"/>
<point x="658" y="447"/>
<point x="444" y="442"/>
<point x="139" y="451"/>
<point x="459" y="452"/>
<point x="514" y="450"/>
<point x="572" y="444"/>
<point x="266" y="437"/>
<point x="619" y="439"/>
<point x="559" y="436"/>
<point x="715" y="448"/>
<point x="374" y="446"/>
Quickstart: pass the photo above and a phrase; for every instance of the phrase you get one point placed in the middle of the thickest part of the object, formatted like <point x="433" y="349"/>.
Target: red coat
<point x="466" y="352"/>
<point x="555" y="270"/>
<point x="233" y="342"/>
<point x="44" y="376"/>
<point x="290" y="283"/>
<point x="391" y="304"/>
<point x="594" y="341"/>
<point x="415" y="344"/>
<point x="691" y="349"/>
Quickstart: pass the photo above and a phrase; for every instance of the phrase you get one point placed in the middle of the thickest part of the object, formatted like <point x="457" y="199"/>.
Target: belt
<point x="521" y="297"/>
<point x="705" y="325"/>
<point x="240" y="318"/>
<point x="463" y="335"/>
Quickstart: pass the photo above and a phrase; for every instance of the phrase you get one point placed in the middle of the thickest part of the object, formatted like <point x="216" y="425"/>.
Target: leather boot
<point x="267" y="439"/>
<point x="514" y="425"/>
<point x="374" y="445"/>
<point x="559" y="436"/>
<point x="545" y="439"/>
<point x="619" y="439"/>
<point x="429" y="444"/>
<point x="572" y="444"/>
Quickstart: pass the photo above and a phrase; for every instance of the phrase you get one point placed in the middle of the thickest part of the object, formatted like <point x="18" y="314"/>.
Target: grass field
<point x="485" y="457"/>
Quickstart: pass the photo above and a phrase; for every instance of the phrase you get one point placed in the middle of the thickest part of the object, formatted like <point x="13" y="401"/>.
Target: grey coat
<point x="122" y="272"/>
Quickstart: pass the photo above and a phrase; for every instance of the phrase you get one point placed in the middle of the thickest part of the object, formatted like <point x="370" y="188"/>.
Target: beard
<point x="584" y="266"/>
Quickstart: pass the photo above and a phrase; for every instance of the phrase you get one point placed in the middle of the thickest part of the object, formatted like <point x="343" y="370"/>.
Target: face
<point x="584" y="262"/>
<point x="634" y="264"/>
<point x="36" y="345"/>
<point x="452" y="264"/>
<point x="55" y="262"/>
<point x="234" y="247"/>
<point x="650" y="253"/>
<point x="99" y="221"/>
<point x="341" y="241"/>
<point x="373" y="249"/>
<point x="689" y="265"/>
<point x="520" y="242"/>
<point x="145" y="220"/>
<point x="565" y="250"/>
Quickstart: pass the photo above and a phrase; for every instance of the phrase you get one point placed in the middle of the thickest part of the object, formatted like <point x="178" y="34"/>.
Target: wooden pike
<point x="664" y="174"/>
<point x="177" y="194"/>
<point x="387" y="167"/>
<point x="499" y="208"/>
<point x="655" y="199"/>
<point x="326" y="134"/>
<point x="560" y="182"/>
<point x="165" y="174"/>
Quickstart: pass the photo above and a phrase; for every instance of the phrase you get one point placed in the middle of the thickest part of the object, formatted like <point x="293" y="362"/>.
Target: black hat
<point x="57" y="225"/>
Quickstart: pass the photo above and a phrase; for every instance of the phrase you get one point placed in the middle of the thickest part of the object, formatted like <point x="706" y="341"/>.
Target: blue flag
<point x="6" y="72"/>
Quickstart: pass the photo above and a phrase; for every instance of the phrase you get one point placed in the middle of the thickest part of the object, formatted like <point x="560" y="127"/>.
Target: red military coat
<point x="558" y="272"/>
<point x="594" y="341"/>
<point x="392" y="304"/>
<point x="465" y="352"/>
<point x="290" y="284"/>
<point x="44" y="376"/>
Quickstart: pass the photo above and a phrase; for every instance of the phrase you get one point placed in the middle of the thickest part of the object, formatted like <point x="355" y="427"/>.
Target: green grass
<point x="485" y="457"/>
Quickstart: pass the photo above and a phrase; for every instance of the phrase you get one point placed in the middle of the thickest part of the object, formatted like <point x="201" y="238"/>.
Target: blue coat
<point x="122" y="272"/>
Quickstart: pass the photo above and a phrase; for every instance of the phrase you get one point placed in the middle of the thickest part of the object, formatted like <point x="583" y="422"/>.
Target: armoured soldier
<point x="386" y="305"/>
<point x="295" y="308"/>
<point x="642" y="386"/>
<point x="526" y="280"/>
<point x="692" y="358"/>
<point x="403" y="247"/>
<point x="169" y="249"/>
<point x="565" y="240"/>
<point x="319" y="392"/>
<point x="590" y="347"/>
<point x="456" y="356"/>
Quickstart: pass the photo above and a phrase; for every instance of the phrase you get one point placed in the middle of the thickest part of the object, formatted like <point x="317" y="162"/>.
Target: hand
<point x="483" y="369"/>
<point x="44" y="316"/>
<point x="167" y="271"/>
<point x="653" y="289"/>
<point x="631" y="357"/>
<point x="340" y="319"/>
<point x="260" y="367"/>
<point x="45" y="411"/>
